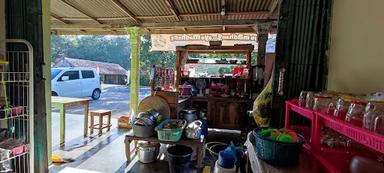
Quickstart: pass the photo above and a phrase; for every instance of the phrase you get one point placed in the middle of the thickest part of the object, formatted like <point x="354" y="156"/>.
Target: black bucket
<point x="179" y="158"/>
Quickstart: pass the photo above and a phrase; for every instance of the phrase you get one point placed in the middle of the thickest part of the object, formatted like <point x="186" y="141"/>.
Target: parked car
<point x="75" y="82"/>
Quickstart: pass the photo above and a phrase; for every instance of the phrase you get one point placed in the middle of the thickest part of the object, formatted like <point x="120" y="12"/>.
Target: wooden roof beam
<point x="219" y="23"/>
<point x="273" y="7"/>
<point x="123" y="8"/>
<point x="169" y="16"/>
<point x="81" y="11"/>
<point x="59" y="18"/>
<point x="174" y="10"/>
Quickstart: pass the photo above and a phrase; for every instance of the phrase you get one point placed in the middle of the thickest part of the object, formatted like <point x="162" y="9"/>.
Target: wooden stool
<point x="101" y="125"/>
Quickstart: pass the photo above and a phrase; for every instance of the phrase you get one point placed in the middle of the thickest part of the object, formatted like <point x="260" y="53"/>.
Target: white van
<point x="75" y="82"/>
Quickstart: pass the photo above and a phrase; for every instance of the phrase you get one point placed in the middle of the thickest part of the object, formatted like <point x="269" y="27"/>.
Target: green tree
<point x="113" y="49"/>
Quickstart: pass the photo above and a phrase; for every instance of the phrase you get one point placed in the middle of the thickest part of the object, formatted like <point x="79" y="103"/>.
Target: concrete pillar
<point x="2" y="29"/>
<point x="135" y="34"/>
<point x="262" y="38"/>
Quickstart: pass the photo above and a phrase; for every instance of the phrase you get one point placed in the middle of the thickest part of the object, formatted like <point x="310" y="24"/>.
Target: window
<point x="87" y="74"/>
<point x="54" y="73"/>
<point x="73" y="75"/>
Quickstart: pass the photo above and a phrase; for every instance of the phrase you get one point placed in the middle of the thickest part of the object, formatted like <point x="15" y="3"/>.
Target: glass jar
<point x="341" y="107"/>
<point x="309" y="100"/>
<point x="379" y="125"/>
<point x="321" y="103"/>
<point x="302" y="98"/>
<point x="372" y="110"/>
<point x="355" y="113"/>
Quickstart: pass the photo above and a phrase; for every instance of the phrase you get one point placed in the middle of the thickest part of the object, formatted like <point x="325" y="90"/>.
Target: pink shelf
<point x="334" y="160"/>
<point x="358" y="134"/>
<point x="293" y="104"/>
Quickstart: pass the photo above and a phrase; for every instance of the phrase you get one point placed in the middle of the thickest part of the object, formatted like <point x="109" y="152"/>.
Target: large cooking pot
<point x="188" y="114"/>
<point x="147" y="153"/>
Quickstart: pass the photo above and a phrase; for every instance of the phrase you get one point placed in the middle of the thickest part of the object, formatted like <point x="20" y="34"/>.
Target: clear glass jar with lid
<point x="341" y="106"/>
<point x="372" y="110"/>
<point x="321" y="103"/>
<point x="355" y="113"/>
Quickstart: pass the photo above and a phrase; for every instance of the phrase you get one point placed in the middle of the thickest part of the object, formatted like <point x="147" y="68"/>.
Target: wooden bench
<point x="101" y="125"/>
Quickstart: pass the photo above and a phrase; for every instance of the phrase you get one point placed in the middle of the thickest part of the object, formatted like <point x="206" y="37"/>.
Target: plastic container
<point x="219" y="169"/>
<point x="215" y="148"/>
<point x="170" y="134"/>
<point x="226" y="159"/>
<point x="277" y="153"/>
<point x="179" y="158"/>
<point x="355" y="113"/>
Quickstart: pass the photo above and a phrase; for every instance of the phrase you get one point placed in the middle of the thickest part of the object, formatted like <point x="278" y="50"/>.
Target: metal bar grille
<point x="16" y="80"/>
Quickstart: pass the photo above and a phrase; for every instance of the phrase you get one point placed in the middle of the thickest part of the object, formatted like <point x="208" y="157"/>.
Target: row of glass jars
<point x="357" y="110"/>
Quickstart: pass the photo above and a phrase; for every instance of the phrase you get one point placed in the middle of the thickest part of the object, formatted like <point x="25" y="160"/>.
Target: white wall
<point x="356" y="61"/>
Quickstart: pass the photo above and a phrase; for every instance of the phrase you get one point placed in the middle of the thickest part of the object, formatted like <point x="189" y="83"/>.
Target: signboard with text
<point x="168" y="42"/>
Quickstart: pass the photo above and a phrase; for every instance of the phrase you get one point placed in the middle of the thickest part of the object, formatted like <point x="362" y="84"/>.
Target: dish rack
<point x="16" y="107"/>
<point x="334" y="160"/>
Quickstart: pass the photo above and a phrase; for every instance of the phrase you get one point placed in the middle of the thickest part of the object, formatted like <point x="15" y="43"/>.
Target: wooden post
<point x="25" y="21"/>
<point x="2" y="29"/>
<point x="135" y="42"/>
<point x="46" y="6"/>
<point x="262" y="38"/>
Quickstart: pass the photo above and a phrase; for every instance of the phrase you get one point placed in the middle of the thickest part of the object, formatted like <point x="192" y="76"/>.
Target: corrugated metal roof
<point x="147" y="7"/>
<point x="105" y="67"/>
<point x="61" y="9"/>
<point x="248" y="5"/>
<point x="98" y="8"/>
<point x="103" y="14"/>
<point x="198" y="6"/>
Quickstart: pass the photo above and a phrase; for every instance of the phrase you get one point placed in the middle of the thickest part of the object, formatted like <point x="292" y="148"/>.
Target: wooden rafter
<point x="59" y="18"/>
<point x="273" y="7"/>
<point x="81" y="11"/>
<point x="123" y="8"/>
<point x="200" y="23"/>
<point x="174" y="10"/>
<point x="258" y="13"/>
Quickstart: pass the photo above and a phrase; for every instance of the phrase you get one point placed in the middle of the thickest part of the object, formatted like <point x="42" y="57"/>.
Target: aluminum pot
<point x="147" y="153"/>
<point x="188" y="114"/>
<point x="193" y="130"/>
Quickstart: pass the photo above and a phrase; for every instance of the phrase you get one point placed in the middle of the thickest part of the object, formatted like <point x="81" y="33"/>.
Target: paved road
<point x="113" y="97"/>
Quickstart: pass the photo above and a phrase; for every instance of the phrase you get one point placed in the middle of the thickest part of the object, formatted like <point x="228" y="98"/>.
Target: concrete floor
<point x="106" y="153"/>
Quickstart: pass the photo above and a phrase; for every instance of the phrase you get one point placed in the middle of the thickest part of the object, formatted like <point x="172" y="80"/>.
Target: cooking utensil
<point x="157" y="103"/>
<point x="147" y="153"/>
<point x="188" y="114"/>
<point x="193" y="130"/>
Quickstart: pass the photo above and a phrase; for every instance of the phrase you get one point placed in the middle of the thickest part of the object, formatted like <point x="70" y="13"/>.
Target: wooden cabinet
<point x="225" y="113"/>
<point x="229" y="115"/>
